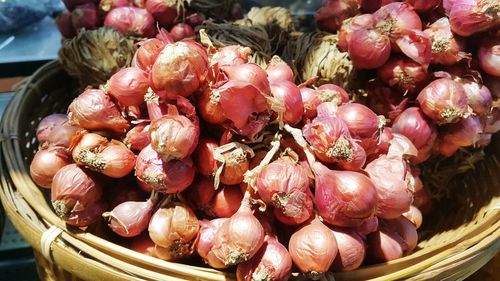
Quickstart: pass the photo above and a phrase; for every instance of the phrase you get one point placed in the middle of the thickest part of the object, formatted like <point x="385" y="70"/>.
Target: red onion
<point x="210" y="107"/>
<point x="174" y="228"/>
<point x="132" y="20"/>
<point x="272" y="262"/>
<point x="414" y="125"/>
<point x="146" y="54"/>
<point x="64" y="135"/>
<point x="447" y="48"/>
<point x="46" y="163"/>
<point x="393" y="239"/>
<point x="478" y="96"/>
<point x="285" y="185"/>
<point x="489" y="55"/>
<point x="239" y="238"/>
<point x="392" y="180"/>
<point x="310" y="101"/>
<point x="289" y="96"/>
<point x="360" y="120"/>
<point x="85" y="16"/>
<point x="128" y="86"/>
<point x="444" y="101"/>
<point x="167" y="177"/>
<point x="492" y="121"/>
<point x="226" y="202"/>
<point x="48" y="124"/>
<point x="144" y="245"/>
<point x="344" y="198"/>
<point x="181" y="31"/>
<point x="484" y="140"/>
<point x="233" y="158"/>
<point x="230" y="55"/>
<point x="250" y="73"/>
<point x="369" y="49"/>
<point x="445" y="147"/>
<point x="278" y="70"/>
<point x="204" y="157"/>
<point x="180" y="69"/>
<point x="94" y="110"/>
<point x="138" y="137"/>
<point x="201" y="193"/>
<point x="352" y="249"/>
<point x="194" y="19"/>
<point x="397" y="17"/>
<point x="364" y="21"/>
<point x="108" y="5"/>
<point x="403" y="74"/>
<point x="401" y="147"/>
<point x="332" y="93"/>
<point x="130" y="218"/>
<point x="468" y="17"/>
<point x="89" y="142"/>
<point x="416" y="45"/>
<point x="174" y="136"/>
<point x="76" y="196"/>
<point x="331" y="14"/>
<point x="65" y="24"/>
<point x="367" y="226"/>
<point x="358" y="157"/>
<point x="385" y="101"/>
<point x="423" y="6"/>
<point x="464" y="133"/>
<point x="165" y="12"/>
<point x="204" y="243"/>
<point x="71" y="4"/>
<point x="313" y="249"/>
<point x="305" y="204"/>
<point x="415" y="216"/>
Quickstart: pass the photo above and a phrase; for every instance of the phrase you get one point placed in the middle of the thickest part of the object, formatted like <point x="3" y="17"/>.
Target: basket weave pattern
<point x="460" y="236"/>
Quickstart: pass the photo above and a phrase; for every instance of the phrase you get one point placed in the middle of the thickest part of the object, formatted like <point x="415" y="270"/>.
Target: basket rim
<point x="420" y="261"/>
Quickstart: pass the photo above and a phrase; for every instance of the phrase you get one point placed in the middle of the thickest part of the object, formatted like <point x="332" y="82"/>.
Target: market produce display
<point x="303" y="153"/>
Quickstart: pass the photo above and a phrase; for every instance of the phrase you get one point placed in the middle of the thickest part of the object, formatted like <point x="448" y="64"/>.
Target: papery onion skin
<point x="344" y="198"/>
<point x="394" y="239"/>
<point x="203" y="157"/>
<point x="415" y="216"/>
<point x="138" y="137"/>
<point x="181" y="31"/>
<point x="146" y="54"/>
<point x="226" y="202"/>
<point x="468" y="17"/>
<point x="48" y="124"/>
<point x="332" y="93"/>
<point x="278" y="70"/>
<point x="413" y="124"/>
<point x="492" y="121"/>
<point x="363" y="21"/>
<point x="272" y="262"/>
<point x="403" y="74"/>
<point x="351" y="249"/>
<point x="361" y="121"/>
<point x="107" y="5"/>
<point x="478" y="96"/>
<point x="331" y="14"/>
<point x="180" y="69"/>
<point x="250" y="73"/>
<point x="117" y="161"/>
<point x="164" y="12"/>
<point x="46" y="163"/>
<point x="447" y="48"/>
<point x="369" y="49"/>
<point x="230" y="55"/>
<point x="397" y="17"/>
<point x="131" y="20"/>
<point x="76" y="196"/>
<point x="130" y="218"/>
<point x="94" y="110"/>
<point x="466" y="132"/>
<point x="310" y="101"/>
<point x="313" y="248"/>
<point x="206" y="235"/>
<point x="489" y="55"/>
<point x="201" y="193"/>
<point x="128" y="86"/>
<point x="289" y="95"/>
<point x="444" y="101"/>
<point x="87" y="143"/>
<point x="175" y="228"/>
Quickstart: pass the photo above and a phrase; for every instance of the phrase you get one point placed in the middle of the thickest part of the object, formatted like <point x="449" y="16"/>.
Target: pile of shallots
<point x="195" y="152"/>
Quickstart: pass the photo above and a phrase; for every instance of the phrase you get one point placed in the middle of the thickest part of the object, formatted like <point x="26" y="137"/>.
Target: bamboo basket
<point x="461" y="235"/>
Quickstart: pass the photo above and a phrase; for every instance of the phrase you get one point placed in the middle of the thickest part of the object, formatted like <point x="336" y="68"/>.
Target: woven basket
<point x="460" y="237"/>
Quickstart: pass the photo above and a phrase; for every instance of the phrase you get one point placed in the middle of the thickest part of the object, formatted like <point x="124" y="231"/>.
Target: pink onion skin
<point x="369" y="49"/>
<point x="272" y="262"/>
<point x="64" y="24"/>
<point x="226" y="201"/>
<point x="444" y="101"/>
<point x="465" y="133"/>
<point x="332" y="93"/>
<point x="415" y="44"/>
<point x="394" y="191"/>
<point x="363" y="21"/>
<point x="400" y="16"/>
<point x="131" y="20"/>
<point x="208" y="229"/>
<point x="146" y="55"/>
<point x="94" y="110"/>
<point x="289" y="95"/>
<point x="182" y="31"/>
<point x="367" y="226"/>
<point x="162" y="12"/>
<point x="250" y="73"/>
<point x="119" y="160"/>
<point x="404" y="75"/>
<point x="46" y="163"/>
<point x="166" y="177"/>
<point x="128" y="86"/>
<point x="352" y="249"/>
<point x="424" y="6"/>
<point x="239" y="238"/>
<point x="492" y="121"/>
<point x="85" y="16"/>
<point x="358" y="159"/>
<point x="447" y="48"/>
<point x="394" y="239"/>
<point x="313" y="248"/>
<point x="489" y="56"/>
<point x="138" y="137"/>
<point x="130" y="218"/>
<point x="278" y="70"/>
<point x="413" y="124"/>
<point x="415" y="216"/>
<point x="180" y="69"/>
<point x="361" y="121"/>
<point x="331" y="14"/>
<point x="310" y="102"/>
<point x="204" y="158"/>
<point x="468" y="17"/>
<point x="76" y="196"/>
<point x="230" y="55"/>
<point x="478" y="96"/>
<point x="48" y="124"/>
<point x="344" y="198"/>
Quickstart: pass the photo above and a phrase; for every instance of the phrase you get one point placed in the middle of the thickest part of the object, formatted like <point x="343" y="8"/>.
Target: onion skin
<point x="351" y="249"/>
<point x="204" y="157"/>
<point x="344" y="198"/>
<point x="182" y="31"/>
<point x="313" y="248"/>
<point x="130" y="218"/>
<point x="76" y="196"/>
<point x="363" y="21"/>
<point x="230" y="55"/>
<point x="423" y="6"/>
<point x="144" y="245"/>
<point x="132" y="20"/>
<point x="272" y="262"/>
<point x="361" y="121"/>
<point x="465" y="133"/>
<point x="162" y="12"/>
<point x="278" y="70"/>
<point x="333" y="12"/>
<point x="48" y="124"/>
<point x="174" y="228"/>
<point x="250" y="73"/>
<point x="208" y="230"/>
<point x="310" y="102"/>
<point x="226" y="202"/>
<point x="478" y="96"/>
<point x="444" y="101"/>
<point x="85" y="16"/>
<point x="46" y="163"/>
<point x="138" y="137"/>
<point x="468" y="17"/>
<point x="64" y="24"/>
<point x="209" y="106"/>
<point x="415" y="216"/>
<point x="369" y="49"/>
<point x="289" y="95"/>
<point x="94" y="110"/>
<point x="146" y="54"/>
<point x="118" y="160"/>
<point x="180" y="69"/>
<point x="128" y="86"/>
<point x="403" y="74"/>
<point x="108" y="5"/>
<point x="332" y="93"/>
<point x="489" y="56"/>
<point x="120" y="194"/>
<point x="447" y="48"/>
